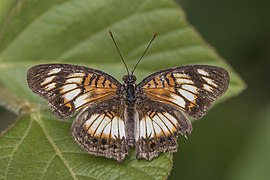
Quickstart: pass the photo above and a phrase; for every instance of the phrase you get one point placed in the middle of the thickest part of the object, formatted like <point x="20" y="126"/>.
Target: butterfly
<point x="114" y="117"/>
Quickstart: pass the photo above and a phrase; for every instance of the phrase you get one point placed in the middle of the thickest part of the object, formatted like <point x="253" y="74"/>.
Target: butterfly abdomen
<point x="131" y="116"/>
<point x="130" y="112"/>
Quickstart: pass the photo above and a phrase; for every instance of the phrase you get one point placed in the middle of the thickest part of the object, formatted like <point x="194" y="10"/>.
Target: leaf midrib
<point x="37" y="118"/>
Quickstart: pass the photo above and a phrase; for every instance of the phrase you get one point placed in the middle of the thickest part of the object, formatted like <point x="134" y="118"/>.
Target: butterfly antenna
<point x="118" y="51"/>
<point x="154" y="36"/>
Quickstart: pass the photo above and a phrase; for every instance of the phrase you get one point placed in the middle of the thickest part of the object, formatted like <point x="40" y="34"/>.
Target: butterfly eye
<point x="133" y="78"/>
<point x="129" y="78"/>
<point x="125" y="78"/>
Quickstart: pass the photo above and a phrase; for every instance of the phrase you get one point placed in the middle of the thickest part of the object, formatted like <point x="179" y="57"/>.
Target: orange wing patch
<point x="79" y="90"/>
<point x="175" y="89"/>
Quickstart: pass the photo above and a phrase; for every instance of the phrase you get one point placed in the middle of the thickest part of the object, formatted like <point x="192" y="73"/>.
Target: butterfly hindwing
<point x="157" y="129"/>
<point x="190" y="88"/>
<point x="69" y="88"/>
<point x="100" y="129"/>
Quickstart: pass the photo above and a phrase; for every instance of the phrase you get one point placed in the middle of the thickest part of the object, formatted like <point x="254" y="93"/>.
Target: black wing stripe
<point x="169" y="102"/>
<point x="145" y="124"/>
<point x="78" y="87"/>
<point x="178" y="86"/>
<point x="104" y="129"/>
<point x="74" y="99"/>
<point x="110" y="135"/>
<point x="164" y="123"/>
<point x="186" y="99"/>
<point x="160" y="128"/>
<point x="94" y="100"/>
<point x="118" y="128"/>
<point x="93" y="122"/>
<point x="195" y="94"/>
<point x="170" y="121"/>
<point x="153" y="126"/>
<point x="98" y="125"/>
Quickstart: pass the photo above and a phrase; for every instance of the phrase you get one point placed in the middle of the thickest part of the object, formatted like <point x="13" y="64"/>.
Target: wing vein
<point x="98" y="125"/>
<point x="163" y="99"/>
<point x="93" y="122"/>
<point x="104" y="128"/>
<point x="160" y="128"/>
<point x="153" y="126"/>
<point x="164" y="123"/>
<point x="169" y="120"/>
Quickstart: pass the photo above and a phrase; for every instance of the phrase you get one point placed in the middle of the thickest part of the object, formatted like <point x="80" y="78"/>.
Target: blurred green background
<point x="233" y="140"/>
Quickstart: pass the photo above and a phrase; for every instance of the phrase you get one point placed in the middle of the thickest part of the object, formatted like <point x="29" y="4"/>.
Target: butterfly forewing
<point x="157" y="128"/>
<point x="190" y="88"/>
<point x="100" y="129"/>
<point x="69" y="88"/>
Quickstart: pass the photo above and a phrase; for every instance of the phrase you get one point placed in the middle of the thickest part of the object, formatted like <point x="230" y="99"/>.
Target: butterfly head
<point x="129" y="79"/>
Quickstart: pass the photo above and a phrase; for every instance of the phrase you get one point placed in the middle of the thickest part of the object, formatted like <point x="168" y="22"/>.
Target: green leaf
<point x="76" y="32"/>
<point x="4" y="7"/>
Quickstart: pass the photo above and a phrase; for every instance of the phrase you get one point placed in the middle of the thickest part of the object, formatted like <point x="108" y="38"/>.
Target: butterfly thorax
<point x="129" y="85"/>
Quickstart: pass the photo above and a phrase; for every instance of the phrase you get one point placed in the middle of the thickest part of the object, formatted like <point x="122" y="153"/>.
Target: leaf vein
<point x="56" y="149"/>
<point x="16" y="148"/>
<point x="48" y="163"/>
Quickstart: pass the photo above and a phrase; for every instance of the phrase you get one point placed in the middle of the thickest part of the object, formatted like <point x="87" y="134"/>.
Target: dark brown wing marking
<point x="100" y="129"/>
<point x="157" y="129"/>
<point x="190" y="88"/>
<point x="69" y="88"/>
